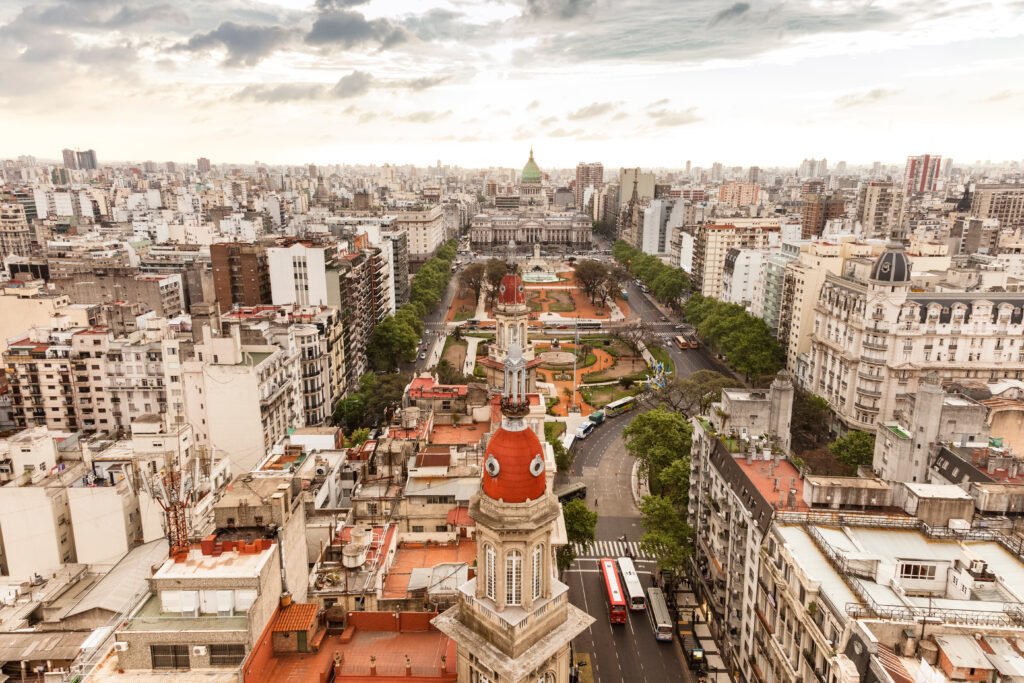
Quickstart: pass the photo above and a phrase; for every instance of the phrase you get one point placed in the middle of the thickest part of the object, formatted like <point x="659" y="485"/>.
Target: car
<point x="423" y="355"/>
<point x="681" y="327"/>
<point x="663" y="319"/>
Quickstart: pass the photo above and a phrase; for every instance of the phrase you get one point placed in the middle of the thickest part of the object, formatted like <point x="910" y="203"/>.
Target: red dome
<point x="514" y="453"/>
<point x="511" y="290"/>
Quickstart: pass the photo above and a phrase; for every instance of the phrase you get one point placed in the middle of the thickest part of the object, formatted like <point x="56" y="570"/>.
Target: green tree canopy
<point x="746" y="341"/>
<point x="657" y="438"/>
<point x="667" y="536"/>
<point x="591" y="276"/>
<point x="391" y="341"/>
<point x="667" y="283"/>
<point x="580" y="522"/>
<point x="856" y="449"/>
<point x="473" y="278"/>
<point x="693" y="395"/>
<point x="495" y="269"/>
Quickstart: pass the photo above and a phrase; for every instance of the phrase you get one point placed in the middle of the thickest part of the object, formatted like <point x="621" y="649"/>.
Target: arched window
<point x="513" y="578"/>
<point x="538" y="554"/>
<point x="489" y="571"/>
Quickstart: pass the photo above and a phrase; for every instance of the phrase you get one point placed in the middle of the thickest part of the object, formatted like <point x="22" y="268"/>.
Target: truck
<point x="597" y="417"/>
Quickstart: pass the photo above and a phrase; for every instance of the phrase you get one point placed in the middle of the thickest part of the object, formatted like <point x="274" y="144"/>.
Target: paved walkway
<point x="470" y="363"/>
<point x="481" y="304"/>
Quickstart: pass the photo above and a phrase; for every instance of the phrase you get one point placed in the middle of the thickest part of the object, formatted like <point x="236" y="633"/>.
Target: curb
<point x="637" y="487"/>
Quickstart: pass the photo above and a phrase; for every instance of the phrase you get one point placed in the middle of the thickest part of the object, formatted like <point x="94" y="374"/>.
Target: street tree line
<point x="667" y="283"/>
<point x="395" y="338"/>
<point x="745" y="340"/>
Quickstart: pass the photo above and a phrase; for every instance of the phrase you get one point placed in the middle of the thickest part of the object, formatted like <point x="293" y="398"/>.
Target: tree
<point x="350" y="412"/>
<point x="693" y="395"/>
<point x="809" y="423"/>
<point x="383" y="395"/>
<point x="657" y="438"/>
<point x="473" y="278"/>
<point x="358" y="437"/>
<point x="580" y="522"/>
<point x="668" y="538"/>
<point x="563" y="456"/>
<point x="495" y="270"/>
<point x="636" y="334"/>
<point x="591" y="276"/>
<point x="856" y="449"/>
<point x="449" y="374"/>
<point x="390" y="342"/>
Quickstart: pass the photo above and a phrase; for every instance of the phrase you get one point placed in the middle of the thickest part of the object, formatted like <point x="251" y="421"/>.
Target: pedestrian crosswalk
<point x="610" y="549"/>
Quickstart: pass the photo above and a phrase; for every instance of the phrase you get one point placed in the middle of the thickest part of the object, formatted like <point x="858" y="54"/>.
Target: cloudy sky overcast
<point x="476" y="82"/>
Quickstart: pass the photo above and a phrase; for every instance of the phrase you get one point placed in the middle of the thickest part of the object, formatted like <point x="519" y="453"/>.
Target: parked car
<point x="423" y="355"/>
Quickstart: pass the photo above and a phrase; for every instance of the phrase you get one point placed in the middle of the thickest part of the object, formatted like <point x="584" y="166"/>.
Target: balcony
<point x="872" y="359"/>
<point x="876" y="345"/>
<point x="869" y="392"/>
<point x="870" y="409"/>
<point x="870" y="376"/>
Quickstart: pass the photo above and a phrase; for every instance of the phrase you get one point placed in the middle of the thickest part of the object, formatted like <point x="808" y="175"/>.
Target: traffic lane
<point x="619" y="652"/>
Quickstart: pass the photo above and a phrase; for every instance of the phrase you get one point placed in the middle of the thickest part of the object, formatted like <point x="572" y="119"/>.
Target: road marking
<point x="613" y="549"/>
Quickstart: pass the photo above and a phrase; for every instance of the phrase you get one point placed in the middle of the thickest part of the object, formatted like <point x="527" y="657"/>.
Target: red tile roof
<point x="460" y="517"/>
<point x="298" y="616"/>
<point x="514" y="453"/>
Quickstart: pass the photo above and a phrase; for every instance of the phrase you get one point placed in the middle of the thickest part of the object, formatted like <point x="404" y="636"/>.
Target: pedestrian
<point x="595" y="501"/>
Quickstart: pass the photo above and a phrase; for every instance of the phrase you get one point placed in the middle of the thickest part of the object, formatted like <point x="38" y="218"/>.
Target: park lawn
<point x="553" y="430"/>
<point x="602" y="396"/>
<point x="561" y="302"/>
<point x="661" y="355"/>
<point x="463" y="314"/>
<point x="624" y="367"/>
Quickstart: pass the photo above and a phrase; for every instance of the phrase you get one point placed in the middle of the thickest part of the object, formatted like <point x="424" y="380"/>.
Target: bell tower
<point x="513" y="622"/>
<point x="512" y="326"/>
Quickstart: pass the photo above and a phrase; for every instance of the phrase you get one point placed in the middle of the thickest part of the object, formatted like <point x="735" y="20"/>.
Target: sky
<point x="475" y="83"/>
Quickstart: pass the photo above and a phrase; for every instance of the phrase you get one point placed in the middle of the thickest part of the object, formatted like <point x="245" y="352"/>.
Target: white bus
<point x="657" y="610"/>
<point x="583" y="431"/>
<point x="631" y="582"/>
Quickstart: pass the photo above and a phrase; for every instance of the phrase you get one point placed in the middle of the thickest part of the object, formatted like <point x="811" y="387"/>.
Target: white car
<point x="423" y="355"/>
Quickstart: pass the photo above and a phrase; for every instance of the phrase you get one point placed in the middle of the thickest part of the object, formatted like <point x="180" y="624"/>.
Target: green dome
<point x="531" y="172"/>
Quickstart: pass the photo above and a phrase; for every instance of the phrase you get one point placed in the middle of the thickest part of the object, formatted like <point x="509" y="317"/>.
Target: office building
<point x="587" y="175"/>
<point x="87" y="160"/>
<point x="425" y="227"/>
<point x="738" y="194"/>
<point x="203" y="165"/>
<point x="70" y="159"/>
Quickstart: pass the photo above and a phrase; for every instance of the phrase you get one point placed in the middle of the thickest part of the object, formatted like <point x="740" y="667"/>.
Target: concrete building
<point x="818" y="210"/>
<point x="713" y="242"/>
<point x="644" y="186"/>
<point x="397" y="243"/>
<point x="874" y="338"/>
<point x="162" y="293"/>
<point x="241" y="274"/>
<point x="767" y="297"/>
<point x="879" y="207"/>
<point x="241" y="399"/>
<point x="15" y="234"/>
<point x="740" y="275"/>
<point x="657" y="226"/>
<point x="29" y="305"/>
<point x="738" y="194"/>
<point x="1002" y="201"/>
<point x="425" y="228"/>
<point x="513" y="620"/>
<point x="921" y="174"/>
<point x="588" y="175"/>
<point x="971" y="235"/>
<point x="493" y="229"/>
<point x="298" y="273"/>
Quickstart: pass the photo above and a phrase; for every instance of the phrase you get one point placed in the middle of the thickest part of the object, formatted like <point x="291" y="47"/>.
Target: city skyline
<point x="629" y="84"/>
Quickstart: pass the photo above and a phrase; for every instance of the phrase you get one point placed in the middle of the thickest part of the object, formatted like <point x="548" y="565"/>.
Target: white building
<point x="740" y="275"/>
<point x="426" y="229"/>
<point x="298" y="274"/>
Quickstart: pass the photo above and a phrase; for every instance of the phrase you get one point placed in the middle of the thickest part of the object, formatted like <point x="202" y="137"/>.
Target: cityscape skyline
<point x="292" y="81"/>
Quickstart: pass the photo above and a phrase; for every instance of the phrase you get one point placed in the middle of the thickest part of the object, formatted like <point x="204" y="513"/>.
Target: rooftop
<point x="417" y="556"/>
<point x="459" y="435"/>
<point x="150" y="618"/>
<point x="212" y="559"/>
<point x="776" y="481"/>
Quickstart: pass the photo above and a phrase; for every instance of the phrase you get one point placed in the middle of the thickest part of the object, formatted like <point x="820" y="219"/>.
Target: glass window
<point x="514" y="578"/>
<point x="169" y="656"/>
<point x="489" y="571"/>
<point x="228" y="654"/>
<point x="538" y="554"/>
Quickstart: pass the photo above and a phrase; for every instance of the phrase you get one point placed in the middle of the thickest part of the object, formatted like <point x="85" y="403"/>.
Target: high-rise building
<point x="15" y="235"/>
<point x="587" y="175"/>
<point x="818" y="210"/>
<point x="312" y="171"/>
<point x="921" y="173"/>
<point x="87" y="160"/>
<point x="241" y="274"/>
<point x="644" y="186"/>
<point x="878" y="208"/>
<point x="203" y="165"/>
<point x="711" y="245"/>
<point x="738" y="194"/>
<point x="1004" y="202"/>
<point x="70" y="159"/>
<point x="754" y="174"/>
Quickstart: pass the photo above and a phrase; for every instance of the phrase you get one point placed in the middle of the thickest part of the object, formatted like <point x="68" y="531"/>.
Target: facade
<point x="921" y="174"/>
<point x="241" y="274"/>
<point x="739" y="194"/>
<point x="741" y="271"/>
<point x="203" y="165"/>
<point x="767" y="302"/>
<point x="879" y="206"/>
<point x="298" y="274"/>
<point x="164" y="294"/>
<point x="494" y="229"/>
<point x="712" y="243"/>
<point x="1004" y="202"/>
<point x="874" y="338"/>
<point x="397" y="242"/>
<point x="351" y="289"/>
<point x="818" y="210"/>
<point x="513" y="621"/>
<point x="425" y="228"/>
<point x="15" y="235"/>
<point x="588" y="175"/>
<point x="87" y="160"/>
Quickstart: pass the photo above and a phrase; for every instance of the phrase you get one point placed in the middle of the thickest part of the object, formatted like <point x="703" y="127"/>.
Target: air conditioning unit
<point x="120" y="647"/>
<point x="198" y="650"/>
<point x="321" y="469"/>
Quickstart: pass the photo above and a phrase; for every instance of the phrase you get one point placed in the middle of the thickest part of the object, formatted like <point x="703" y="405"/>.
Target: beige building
<point x="711" y="245"/>
<point x="1004" y="202"/>
<point x="874" y="338"/>
<point x="879" y="208"/>
<point x="426" y="229"/>
<point x="738" y="194"/>
<point x="496" y="229"/>
<point x="29" y="305"/>
<point x="15" y="235"/>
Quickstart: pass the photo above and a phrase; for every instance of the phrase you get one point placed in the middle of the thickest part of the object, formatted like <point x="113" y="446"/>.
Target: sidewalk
<point x="469" y="364"/>
<point x="638" y="486"/>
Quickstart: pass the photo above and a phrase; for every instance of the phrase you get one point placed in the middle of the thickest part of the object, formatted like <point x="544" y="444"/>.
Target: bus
<point x="589" y="325"/>
<point x="623" y="293"/>
<point x="577" y="491"/>
<point x="597" y="417"/>
<point x="691" y="339"/>
<point x="583" y="431"/>
<point x="681" y="343"/>
<point x="657" y="610"/>
<point x="621" y="406"/>
<point x="616" y="602"/>
<point x="631" y="582"/>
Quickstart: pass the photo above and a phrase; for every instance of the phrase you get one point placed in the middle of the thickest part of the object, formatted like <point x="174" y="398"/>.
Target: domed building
<point x="531" y="192"/>
<point x="513" y="621"/>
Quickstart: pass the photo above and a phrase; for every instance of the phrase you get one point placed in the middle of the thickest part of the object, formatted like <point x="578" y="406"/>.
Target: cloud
<point x="731" y="13"/>
<point x="285" y="92"/>
<point x="592" y="110"/>
<point x="425" y="116"/>
<point x="325" y="5"/>
<point x="347" y="29"/>
<point x="366" y="117"/>
<point x="869" y="97"/>
<point x="659" y="103"/>
<point x="668" y="117"/>
<point x="424" y="83"/>
<point x="559" y="9"/>
<point x="621" y="115"/>
<point x="444" y="24"/>
<point x="352" y="85"/>
<point x="563" y="133"/>
<point x="246" y="45"/>
<point x="1000" y="96"/>
<point x="533" y="105"/>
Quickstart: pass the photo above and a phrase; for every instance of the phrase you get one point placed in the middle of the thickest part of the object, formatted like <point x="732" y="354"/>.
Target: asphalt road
<point x="623" y="652"/>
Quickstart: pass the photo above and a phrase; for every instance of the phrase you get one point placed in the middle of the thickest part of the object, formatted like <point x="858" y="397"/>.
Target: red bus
<point x="616" y="598"/>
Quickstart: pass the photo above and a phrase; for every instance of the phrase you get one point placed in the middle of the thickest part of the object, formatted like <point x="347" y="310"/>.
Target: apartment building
<point x="874" y="338"/>
<point x="397" y="242"/>
<point x="28" y="304"/>
<point x="1002" y="201"/>
<point x="879" y="206"/>
<point x="738" y="194"/>
<point x="711" y="245"/>
<point x="818" y="210"/>
<point x="767" y="297"/>
<point x="241" y="398"/>
<point x="15" y="234"/>
<point x="162" y="293"/>
<point x="298" y="273"/>
<point x="739" y="276"/>
<point x="921" y="174"/>
<point x="425" y="227"/>
<point x="241" y="274"/>
<point x="588" y="175"/>
<point x="351" y="288"/>
<point x="86" y="255"/>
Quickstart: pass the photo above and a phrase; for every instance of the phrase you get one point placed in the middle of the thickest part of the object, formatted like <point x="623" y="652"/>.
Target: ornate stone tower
<point x="511" y="326"/>
<point x="513" y="622"/>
